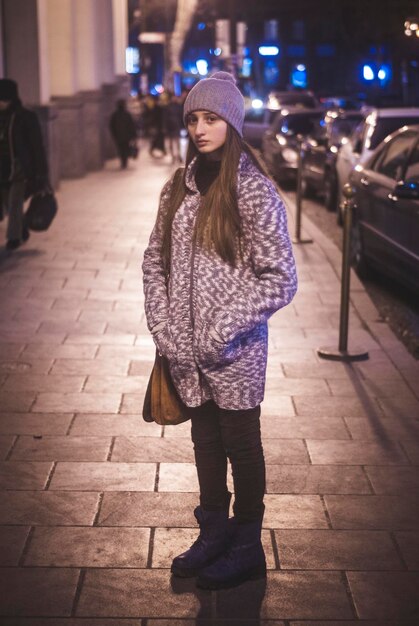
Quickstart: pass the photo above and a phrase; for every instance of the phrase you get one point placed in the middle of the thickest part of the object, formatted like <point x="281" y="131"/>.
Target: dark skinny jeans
<point x="219" y="434"/>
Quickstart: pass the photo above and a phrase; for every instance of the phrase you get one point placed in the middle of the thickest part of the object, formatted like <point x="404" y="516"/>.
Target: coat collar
<point x="245" y="164"/>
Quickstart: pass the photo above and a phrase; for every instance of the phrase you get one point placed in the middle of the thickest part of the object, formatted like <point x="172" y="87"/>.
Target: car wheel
<point x="357" y="253"/>
<point x="330" y="190"/>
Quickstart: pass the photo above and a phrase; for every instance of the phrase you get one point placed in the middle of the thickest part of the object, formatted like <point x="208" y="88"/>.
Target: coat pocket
<point x="213" y="351"/>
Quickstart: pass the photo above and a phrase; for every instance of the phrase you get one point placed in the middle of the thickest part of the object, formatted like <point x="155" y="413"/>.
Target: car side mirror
<point x="408" y="190"/>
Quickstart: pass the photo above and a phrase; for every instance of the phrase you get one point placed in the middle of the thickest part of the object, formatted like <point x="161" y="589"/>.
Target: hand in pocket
<point x="164" y="342"/>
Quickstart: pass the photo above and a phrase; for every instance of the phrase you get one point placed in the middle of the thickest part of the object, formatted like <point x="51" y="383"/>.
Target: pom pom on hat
<point x="223" y="76"/>
<point x="217" y="93"/>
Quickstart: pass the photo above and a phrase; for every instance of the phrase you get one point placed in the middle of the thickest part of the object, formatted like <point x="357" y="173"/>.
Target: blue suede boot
<point x="214" y="538"/>
<point x="243" y="560"/>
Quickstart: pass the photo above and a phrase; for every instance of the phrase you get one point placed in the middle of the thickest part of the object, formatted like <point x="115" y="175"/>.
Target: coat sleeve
<point x="154" y="276"/>
<point x="275" y="279"/>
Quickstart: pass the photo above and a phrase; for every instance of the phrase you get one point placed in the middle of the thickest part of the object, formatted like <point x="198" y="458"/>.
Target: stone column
<point x="47" y="111"/>
<point x="120" y="42"/>
<point x="21" y="47"/>
<point x="64" y="85"/>
<point x="48" y="117"/>
<point x="93" y="128"/>
<point x="71" y="135"/>
<point x="88" y="73"/>
<point x="107" y="73"/>
<point x="2" y="68"/>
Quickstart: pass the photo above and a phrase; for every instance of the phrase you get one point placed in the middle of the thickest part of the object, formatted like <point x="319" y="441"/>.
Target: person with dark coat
<point x="23" y="162"/>
<point x="154" y="122"/>
<point x="173" y="113"/>
<point x="123" y="131"/>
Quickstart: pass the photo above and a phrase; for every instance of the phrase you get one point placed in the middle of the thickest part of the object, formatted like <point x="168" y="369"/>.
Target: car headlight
<point x="290" y="155"/>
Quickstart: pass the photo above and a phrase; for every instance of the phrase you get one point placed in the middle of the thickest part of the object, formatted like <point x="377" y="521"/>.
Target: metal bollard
<point x="342" y="353"/>
<point x="298" y="202"/>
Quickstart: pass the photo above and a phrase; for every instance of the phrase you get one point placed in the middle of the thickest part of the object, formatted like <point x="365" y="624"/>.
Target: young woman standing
<point x="218" y="265"/>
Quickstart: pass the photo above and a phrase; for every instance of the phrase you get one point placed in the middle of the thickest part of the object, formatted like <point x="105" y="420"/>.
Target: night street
<point x="96" y="502"/>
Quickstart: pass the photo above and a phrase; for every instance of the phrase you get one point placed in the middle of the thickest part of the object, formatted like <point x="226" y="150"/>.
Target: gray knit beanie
<point x="217" y="93"/>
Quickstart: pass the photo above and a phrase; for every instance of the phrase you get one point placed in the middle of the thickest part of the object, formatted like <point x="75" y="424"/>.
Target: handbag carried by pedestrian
<point x="162" y="403"/>
<point x="41" y="211"/>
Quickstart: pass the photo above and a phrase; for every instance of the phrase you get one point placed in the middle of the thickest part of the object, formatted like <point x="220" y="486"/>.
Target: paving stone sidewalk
<point x="96" y="502"/>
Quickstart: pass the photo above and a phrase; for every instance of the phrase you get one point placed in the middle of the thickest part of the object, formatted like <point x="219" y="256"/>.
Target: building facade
<point x="68" y="58"/>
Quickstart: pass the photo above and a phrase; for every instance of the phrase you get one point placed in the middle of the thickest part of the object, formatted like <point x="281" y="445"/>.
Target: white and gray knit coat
<point x="209" y="318"/>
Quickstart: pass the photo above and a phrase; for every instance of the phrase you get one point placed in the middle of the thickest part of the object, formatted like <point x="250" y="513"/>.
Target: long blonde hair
<point x="218" y="222"/>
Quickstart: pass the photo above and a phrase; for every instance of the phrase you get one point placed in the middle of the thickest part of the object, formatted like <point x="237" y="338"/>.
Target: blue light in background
<point x="247" y="67"/>
<point x="368" y="72"/>
<point x="299" y="76"/>
<point x="325" y="50"/>
<point x="271" y="72"/>
<point x="202" y="26"/>
<point x="296" y="50"/>
<point x="257" y="103"/>
<point x="268" y="51"/>
<point x="157" y="89"/>
<point x="384" y="74"/>
<point x="177" y="83"/>
<point x="132" y="60"/>
<point x="202" y="67"/>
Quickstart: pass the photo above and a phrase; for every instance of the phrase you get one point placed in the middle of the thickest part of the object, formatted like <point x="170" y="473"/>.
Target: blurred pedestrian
<point x="148" y="115"/>
<point x="173" y="124"/>
<point x="23" y="162"/>
<point x="155" y="129"/>
<point x="219" y="263"/>
<point x="124" y="132"/>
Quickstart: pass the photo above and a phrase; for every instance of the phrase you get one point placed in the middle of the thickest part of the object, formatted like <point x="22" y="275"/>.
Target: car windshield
<point x="343" y="127"/>
<point x="292" y="124"/>
<point x="259" y="116"/>
<point x="302" y="100"/>
<point x="387" y="125"/>
<point x="298" y="100"/>
<point x="254" y="115"/>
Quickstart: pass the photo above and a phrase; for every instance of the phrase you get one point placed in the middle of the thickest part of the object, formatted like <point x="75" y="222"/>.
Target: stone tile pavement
<point x="95" y="502"/>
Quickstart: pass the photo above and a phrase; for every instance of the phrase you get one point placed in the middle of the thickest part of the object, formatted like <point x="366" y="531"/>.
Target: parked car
<point x="257" y="121"/>
<point x="298" y="98"/>
<point x="320" y="153"/>
<point x="377" y="125"/>
<point x="385" y="232"/>
<point x="280" y="143"/>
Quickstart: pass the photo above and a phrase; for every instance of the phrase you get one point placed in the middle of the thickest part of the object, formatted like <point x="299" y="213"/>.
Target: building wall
<point x="20" y="47"/>
<point x="67" y="57"/>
